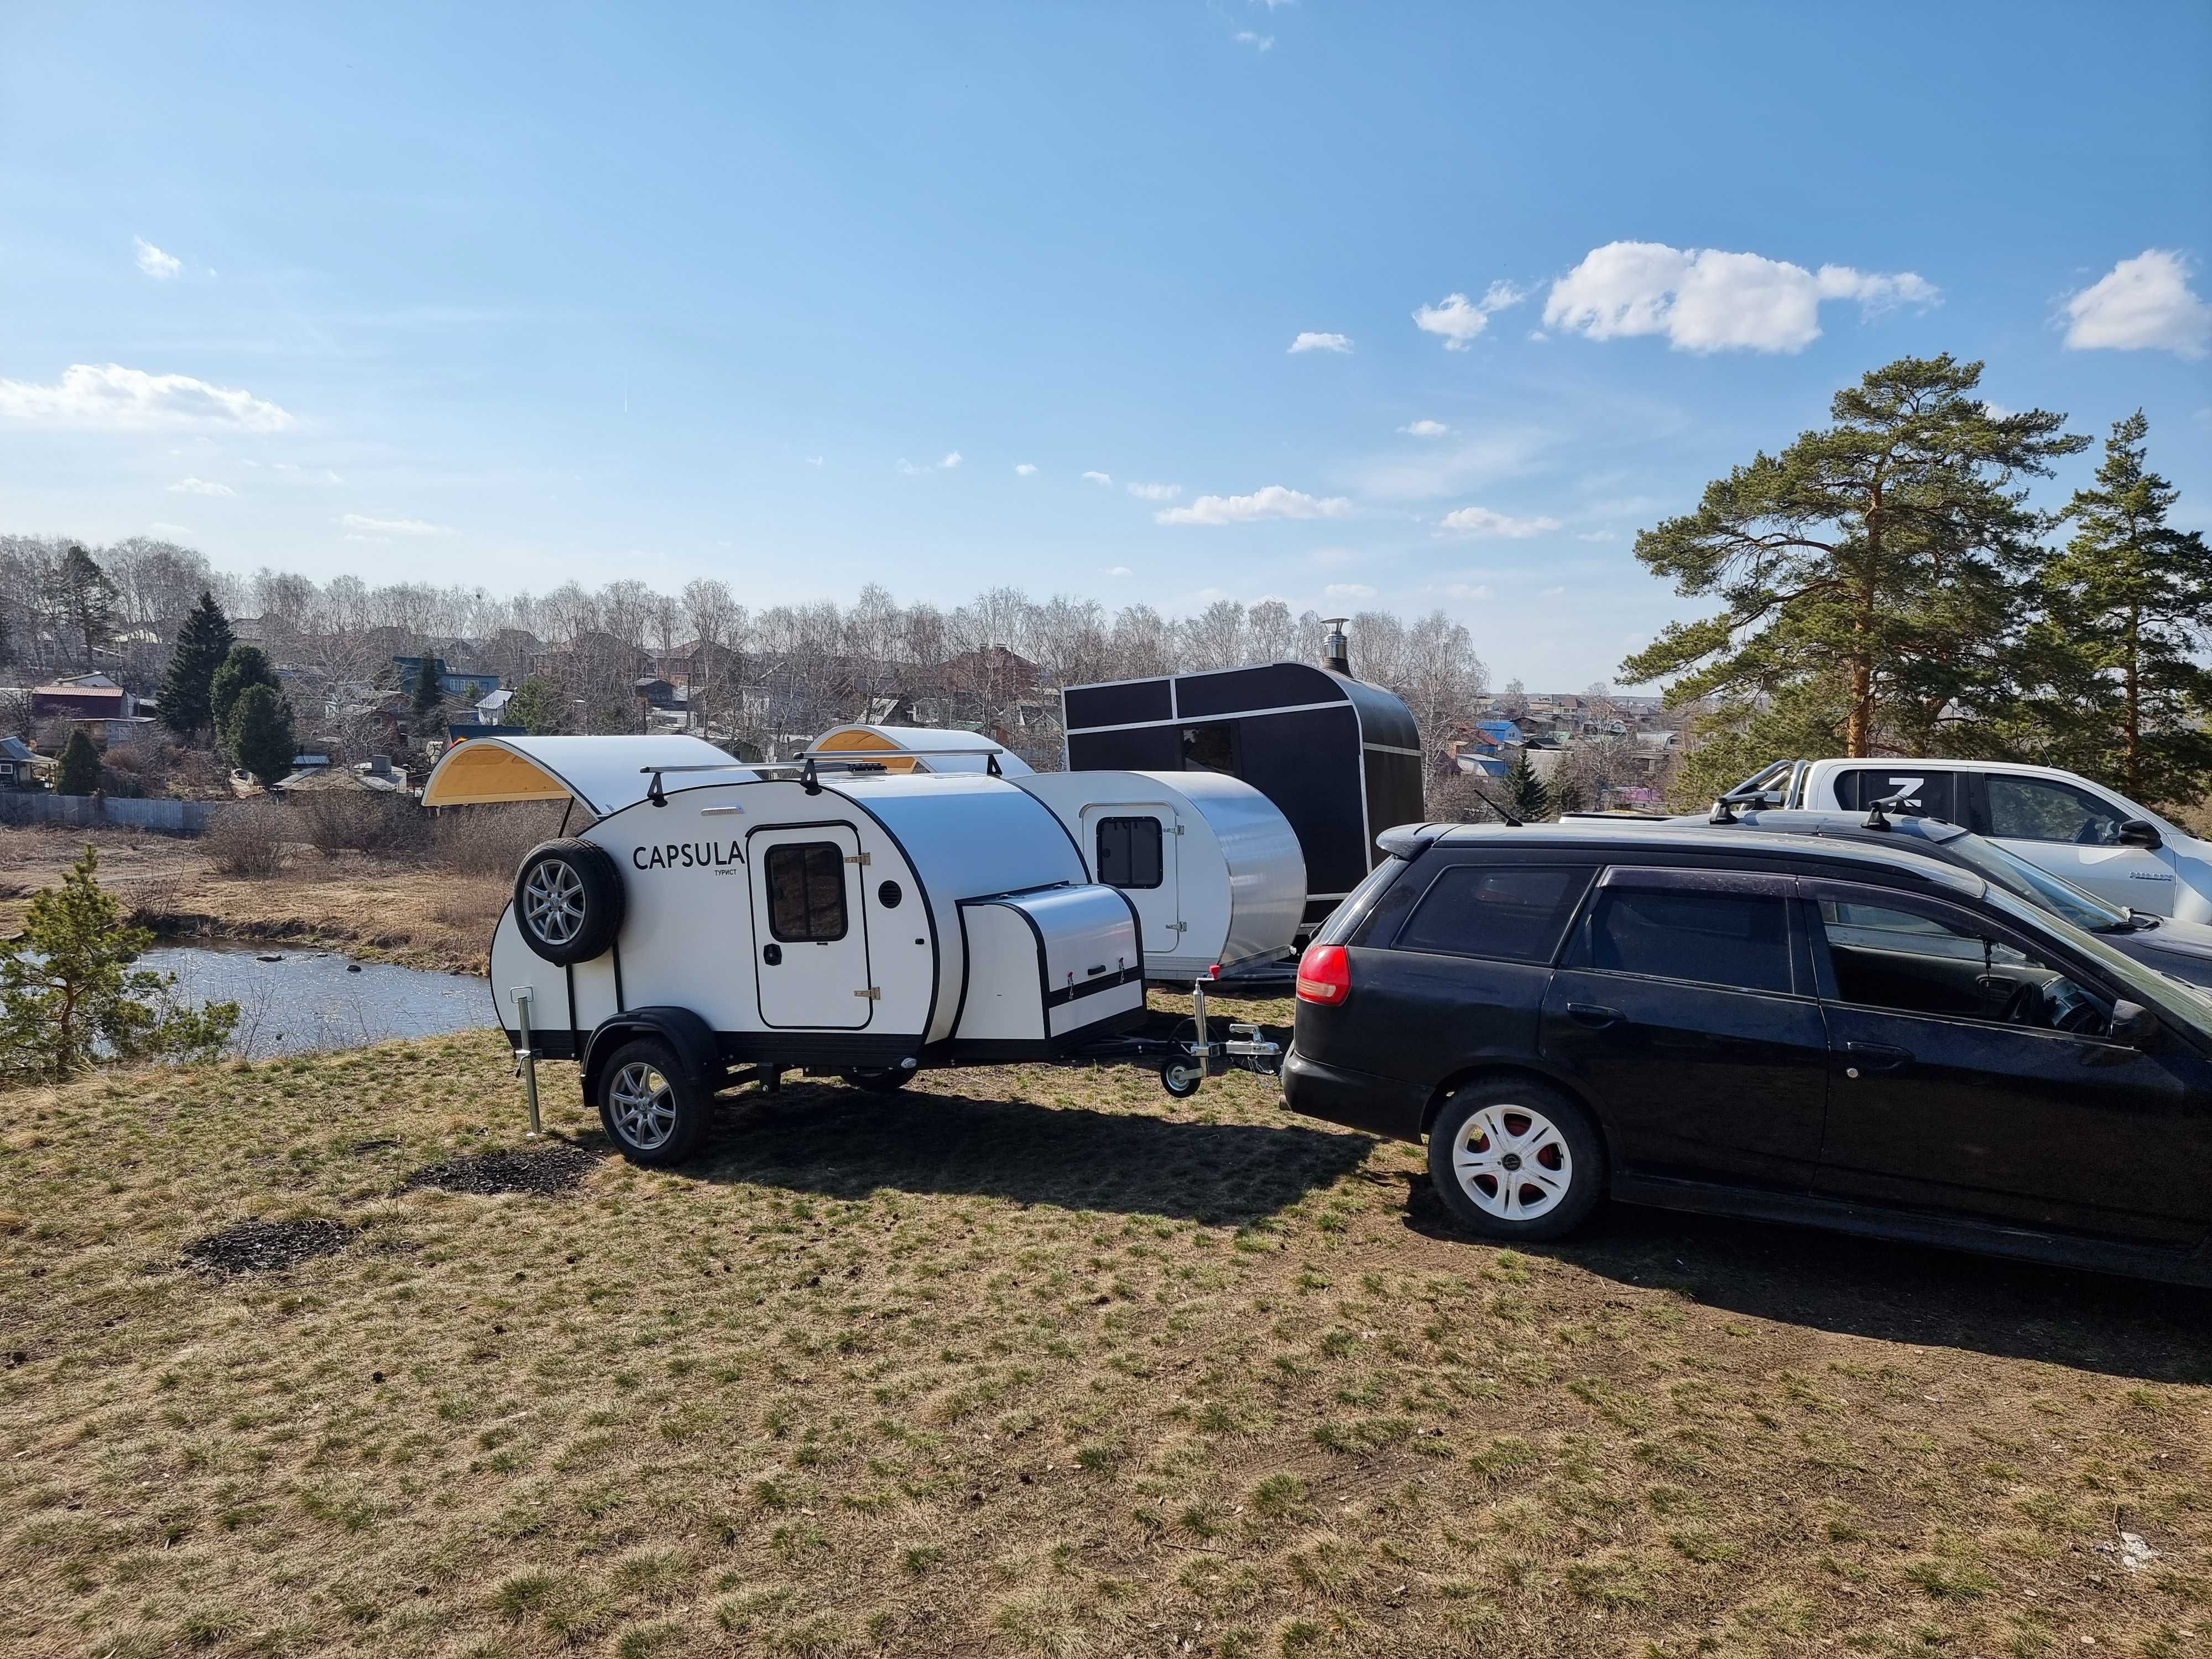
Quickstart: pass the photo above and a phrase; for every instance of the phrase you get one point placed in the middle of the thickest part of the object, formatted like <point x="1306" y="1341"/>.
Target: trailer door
<point x="1133" y="845"/>
<point x="809" y="936"/>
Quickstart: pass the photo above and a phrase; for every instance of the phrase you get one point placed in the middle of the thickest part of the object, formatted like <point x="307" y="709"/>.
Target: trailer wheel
<point x="567" y="901"/>
<point x="879" y="1079"/>
<point x="1181" y="1078"/>
<point x="652" y="1112"/>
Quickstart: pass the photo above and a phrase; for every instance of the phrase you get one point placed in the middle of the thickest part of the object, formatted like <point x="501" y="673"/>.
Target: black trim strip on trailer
<point x="1091" y="986"/>
<point x="615" y="947"/>
<point x="575" y="1031"/>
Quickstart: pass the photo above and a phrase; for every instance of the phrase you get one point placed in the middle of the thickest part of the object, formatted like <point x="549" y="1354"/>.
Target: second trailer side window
<point x="805" y="891"/>
<point x="1129" y="851"/>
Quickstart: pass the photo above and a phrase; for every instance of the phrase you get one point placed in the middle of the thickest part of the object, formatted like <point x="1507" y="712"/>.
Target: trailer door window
<point x="1129" y="851"/>
<point x="806" y="891"/>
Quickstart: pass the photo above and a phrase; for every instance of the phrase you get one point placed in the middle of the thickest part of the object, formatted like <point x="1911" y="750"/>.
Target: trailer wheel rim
<point x="643" y="1105"/>
<point x="553" y="901"/>
<point x="1513" y="1163"/>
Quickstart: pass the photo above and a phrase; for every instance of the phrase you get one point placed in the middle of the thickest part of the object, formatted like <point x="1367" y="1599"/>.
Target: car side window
<point x="1129" y="853"/>
<point x="1740" y="940"/>
<point x="2042" y="809"/>
<point x="806" y="884"/>
<point x="1514" y="912"/>
<point x="1929" y="794"/>
<point x="1909" y="962"/>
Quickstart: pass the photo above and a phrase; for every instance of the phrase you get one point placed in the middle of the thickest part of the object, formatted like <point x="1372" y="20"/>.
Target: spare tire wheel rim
<point x="553" y="901"/>
<point x="1513" y="1162"/>
<point x="643" y="1105"/>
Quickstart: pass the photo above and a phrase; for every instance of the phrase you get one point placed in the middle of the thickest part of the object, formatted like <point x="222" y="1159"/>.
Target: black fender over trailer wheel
<point x="567" y="901"/>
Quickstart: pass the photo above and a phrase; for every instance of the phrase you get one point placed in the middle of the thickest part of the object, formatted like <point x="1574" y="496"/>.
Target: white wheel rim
<point x="553" y="901"/>
<point x="642" y="1104"/>
<point x="1513" y="1163"/>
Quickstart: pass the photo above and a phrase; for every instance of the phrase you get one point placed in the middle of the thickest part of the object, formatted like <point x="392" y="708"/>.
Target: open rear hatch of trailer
<point x="1047" y="968"/>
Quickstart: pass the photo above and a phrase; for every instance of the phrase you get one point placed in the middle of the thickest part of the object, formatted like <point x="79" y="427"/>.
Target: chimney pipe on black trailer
<point x="1336" y="660"/>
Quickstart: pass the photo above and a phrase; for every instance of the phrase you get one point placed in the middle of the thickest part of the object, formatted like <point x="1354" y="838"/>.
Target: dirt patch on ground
<point x="553" y="1170"/>
<point x="261" y="1246"/>
<point x="414" y="914"/>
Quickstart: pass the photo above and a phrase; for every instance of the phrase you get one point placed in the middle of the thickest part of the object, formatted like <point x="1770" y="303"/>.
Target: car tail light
<point x="1324" y="975"/>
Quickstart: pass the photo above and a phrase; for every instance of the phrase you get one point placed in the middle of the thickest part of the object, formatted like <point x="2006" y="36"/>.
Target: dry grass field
<point x="420" y="917"/>
<point x="1019" y="1362"/>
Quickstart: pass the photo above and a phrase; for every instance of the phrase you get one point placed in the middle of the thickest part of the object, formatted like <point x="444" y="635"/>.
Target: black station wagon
<point x="1776" y="1026"/>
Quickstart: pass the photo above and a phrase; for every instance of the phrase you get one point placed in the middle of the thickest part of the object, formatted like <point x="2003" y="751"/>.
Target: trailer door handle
<point x="772" y="954"/>
<point x="1592" y="1015"/>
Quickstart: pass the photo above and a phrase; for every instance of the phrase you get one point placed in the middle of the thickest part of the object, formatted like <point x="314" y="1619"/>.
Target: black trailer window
<point x="1129" y="851"/>
<point x="806" y="891"/>
<point x="1515" y="912"/>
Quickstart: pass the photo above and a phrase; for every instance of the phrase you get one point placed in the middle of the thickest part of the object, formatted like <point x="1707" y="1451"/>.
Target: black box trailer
<point x="1341" y="758"/>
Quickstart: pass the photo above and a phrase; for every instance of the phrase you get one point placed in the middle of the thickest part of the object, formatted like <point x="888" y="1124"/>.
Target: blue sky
<point x="514" y="295"/>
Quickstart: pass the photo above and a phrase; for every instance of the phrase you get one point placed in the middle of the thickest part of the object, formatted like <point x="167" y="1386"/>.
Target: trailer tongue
<point x="723" y="922"/>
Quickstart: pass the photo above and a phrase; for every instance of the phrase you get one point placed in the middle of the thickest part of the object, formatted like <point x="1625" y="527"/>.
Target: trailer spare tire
<point x="567" y="901"/>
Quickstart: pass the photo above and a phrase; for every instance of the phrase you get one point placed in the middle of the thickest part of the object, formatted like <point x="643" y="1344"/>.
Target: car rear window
<point x="1513" y="912"/>
<point x="1736" y="940"/>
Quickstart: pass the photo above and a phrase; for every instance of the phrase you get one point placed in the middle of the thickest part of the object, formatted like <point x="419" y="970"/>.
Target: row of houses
<point x="1629" y="742"/>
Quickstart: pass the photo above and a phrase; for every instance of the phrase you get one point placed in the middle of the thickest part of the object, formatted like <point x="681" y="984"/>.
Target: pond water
<point x="308" y="999"/>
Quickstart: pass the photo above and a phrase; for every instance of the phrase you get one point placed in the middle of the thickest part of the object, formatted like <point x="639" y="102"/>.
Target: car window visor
<point x="1698" y="881"/>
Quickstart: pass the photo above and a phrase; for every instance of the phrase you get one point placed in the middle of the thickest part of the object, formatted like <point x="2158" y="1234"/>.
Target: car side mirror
<point x="2133" y="1024"/>
<point x="2140" y="832"/>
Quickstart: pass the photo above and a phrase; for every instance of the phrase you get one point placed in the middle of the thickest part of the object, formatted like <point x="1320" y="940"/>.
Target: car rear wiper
<point x="2142" y="920"/>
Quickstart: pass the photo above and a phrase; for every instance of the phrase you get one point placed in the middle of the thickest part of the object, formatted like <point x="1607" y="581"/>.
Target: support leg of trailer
<point x="526" y="1058"/>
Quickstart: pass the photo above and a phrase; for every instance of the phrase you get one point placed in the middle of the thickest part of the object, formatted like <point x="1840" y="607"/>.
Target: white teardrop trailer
<point x="721" y="922"/>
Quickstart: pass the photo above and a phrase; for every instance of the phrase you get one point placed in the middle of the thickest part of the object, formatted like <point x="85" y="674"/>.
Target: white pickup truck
<point x="2079" y="830"/>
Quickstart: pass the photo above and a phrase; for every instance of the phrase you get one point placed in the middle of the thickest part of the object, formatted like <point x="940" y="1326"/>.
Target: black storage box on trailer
<point x="1340" y="757"/>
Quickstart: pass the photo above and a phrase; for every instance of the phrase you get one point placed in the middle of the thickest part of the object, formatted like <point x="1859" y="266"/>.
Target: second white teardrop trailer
<point x="724" y="921"/>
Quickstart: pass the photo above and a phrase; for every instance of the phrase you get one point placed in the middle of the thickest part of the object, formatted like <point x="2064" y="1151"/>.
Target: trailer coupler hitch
<point x="1201" y="1057"/>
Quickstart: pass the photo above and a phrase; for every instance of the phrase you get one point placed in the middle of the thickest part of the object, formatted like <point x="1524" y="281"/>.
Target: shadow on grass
<point x="1893" y="1292"/>
<point x="841" y="1143"/>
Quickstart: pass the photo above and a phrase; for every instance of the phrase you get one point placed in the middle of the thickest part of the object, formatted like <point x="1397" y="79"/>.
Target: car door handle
<point x="1873" y="1057"/>
<point x="1593" y="1015"/>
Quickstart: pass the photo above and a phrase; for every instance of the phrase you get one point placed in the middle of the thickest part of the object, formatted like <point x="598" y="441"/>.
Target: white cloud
<point x="950" y="461"/>
<point x="1459" y="318"/>
<point x="162" y="528"/>
<point x="201" y="487"/>
<point x="1120" y="570"/>
<point x="1257" y="42"/>
<point x="1467" y="590"/>
<point x="1273" y="502"/>
<point x="1155" y="492"/>
<point x="814" y="460"/>
<point x="1310" y="341"/>
<point x="155" y="263"/>
<point x="1705" y="300"/>
<point x="1347" y="591"/>
<point x="1099" y="477"/>
<point x="1599" y="536"/>
<point x="1025" y="469"/>
<point x="2140" y="304"/>
<point x="112" y="397"/>
<point x="1481" y="521"/>
<point x="361" y="525"/>
<point x="1552" y="593"/>
<point x="1425" y="428"/>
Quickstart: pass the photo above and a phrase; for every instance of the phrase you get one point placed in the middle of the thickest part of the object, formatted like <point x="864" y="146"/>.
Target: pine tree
<point x="429" y="705"/>
<point x="78" y="771"/>
<point x="1878" y="569"/>
<point x="1566" y="796"/>
<point x="261" y="734"/>
<point x="84" y="595"/>
<point x="242" y="665"/>
<point x="68" y="994"/>
<point x="2129" y="607"/>
<point x="538" y="706"/>
<point x="1525" y="794"/>
<point x="202" y="642"/>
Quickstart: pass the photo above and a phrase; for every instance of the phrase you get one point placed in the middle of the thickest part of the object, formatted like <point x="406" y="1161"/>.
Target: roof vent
<point x="1335" y="658"/>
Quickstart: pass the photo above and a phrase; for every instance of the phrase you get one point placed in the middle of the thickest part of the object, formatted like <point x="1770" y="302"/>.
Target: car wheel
<point x="652" y="1113"/>
<point x="1514" y="1159"/>
<point x="567" y="901"/>
<point x="879" y="1079"/>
